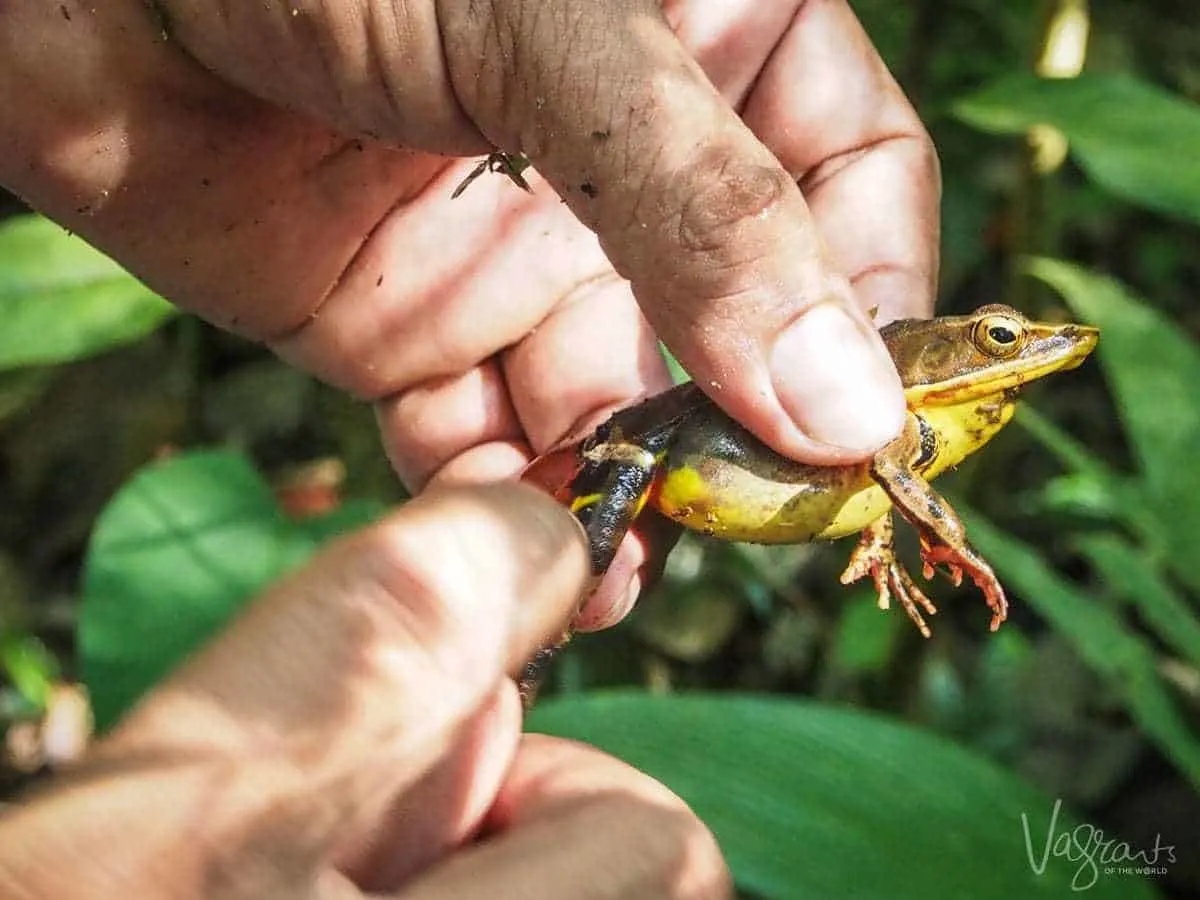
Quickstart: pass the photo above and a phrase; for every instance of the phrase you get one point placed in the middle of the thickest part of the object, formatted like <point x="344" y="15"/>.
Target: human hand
<point x="488" y="328"/>
<point x="357" y="729"/>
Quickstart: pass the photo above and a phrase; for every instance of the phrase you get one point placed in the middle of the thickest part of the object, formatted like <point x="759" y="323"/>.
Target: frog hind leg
<point x="942" y="533"/>
<point x="609" y="493"/>
<point x="609" y="496"/>
<point x="875" y="555"/>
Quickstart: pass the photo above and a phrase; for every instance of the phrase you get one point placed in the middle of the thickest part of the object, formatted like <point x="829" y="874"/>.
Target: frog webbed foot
<point x="956" y="560"/>
<point x="875" y="555"/>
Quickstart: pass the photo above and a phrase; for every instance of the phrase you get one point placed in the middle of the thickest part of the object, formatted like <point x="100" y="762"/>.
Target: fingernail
<point x="836" y="380"/>
<point x="608" y="605"/>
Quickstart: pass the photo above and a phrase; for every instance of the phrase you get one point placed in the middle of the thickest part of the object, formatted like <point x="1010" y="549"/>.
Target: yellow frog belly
<point x="735" y="503"/>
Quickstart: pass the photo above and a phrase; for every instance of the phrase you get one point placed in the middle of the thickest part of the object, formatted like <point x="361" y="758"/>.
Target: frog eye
<point x="998" y="335"/>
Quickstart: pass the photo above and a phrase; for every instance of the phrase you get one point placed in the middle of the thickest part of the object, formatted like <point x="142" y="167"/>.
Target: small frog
<point x="679" y="454"/>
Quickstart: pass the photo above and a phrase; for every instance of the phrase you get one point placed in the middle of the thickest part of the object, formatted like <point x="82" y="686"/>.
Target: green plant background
<point x="832" y="750"/>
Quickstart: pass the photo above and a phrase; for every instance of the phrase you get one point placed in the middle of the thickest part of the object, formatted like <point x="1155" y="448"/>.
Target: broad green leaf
<point x="61" y="300"/>
<point x="1152" y="368"/>
<point x="1133" y="576"/>
<point x="1131" y="137"/>
<point x="1100" y="637"/>
<point x="182" y="547"/>
<point x="809" y="801"/>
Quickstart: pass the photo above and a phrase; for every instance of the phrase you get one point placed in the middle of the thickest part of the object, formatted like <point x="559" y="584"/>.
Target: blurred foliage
<point x="96" y="306"/>
<point x="209" y="526"/>
<point x="130" y="530"/>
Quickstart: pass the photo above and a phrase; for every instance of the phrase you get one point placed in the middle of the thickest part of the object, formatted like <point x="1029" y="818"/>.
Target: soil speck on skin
<point x="66" y="13"/>
<point x="379" y="281"/>
<point x="603" y="135"/>
<point x="588" y="189"/>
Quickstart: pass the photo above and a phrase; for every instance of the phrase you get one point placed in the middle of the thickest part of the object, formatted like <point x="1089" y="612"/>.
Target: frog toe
<point x="956" y="561"/>
<point x="875" y="556"/>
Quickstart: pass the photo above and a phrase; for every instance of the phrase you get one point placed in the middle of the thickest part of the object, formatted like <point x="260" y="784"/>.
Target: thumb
<point x="714" y="235"/>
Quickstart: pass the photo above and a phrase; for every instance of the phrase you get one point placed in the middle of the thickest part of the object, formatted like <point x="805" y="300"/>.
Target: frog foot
<point x="875" y="555"/>
<point x="957" y="560"/>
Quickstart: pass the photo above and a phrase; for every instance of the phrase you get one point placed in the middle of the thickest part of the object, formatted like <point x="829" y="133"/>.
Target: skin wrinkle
<point x="602" y="408"/>
<point x="433" y="413"/>
<point x="376" y="65"/>
<point x="709" y="219"/>
<point x="831" y="167"/>
<point x="452" y="357"/>
<point x="328" y="53"/>
<point x="493" y="91"/>
<point x="740" y="102"/>
<point x="653" y="164"/>
<point x="531" y="137"/>
<point x="295" y="331"/>
<point x="442" y="474"/>
<point x="886" y="269"/>
<point x="906" y="263"/>
<point x="534" y="139"/>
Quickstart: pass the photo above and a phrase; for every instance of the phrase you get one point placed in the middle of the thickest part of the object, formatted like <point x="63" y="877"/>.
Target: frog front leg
<point x="942" y="533"/>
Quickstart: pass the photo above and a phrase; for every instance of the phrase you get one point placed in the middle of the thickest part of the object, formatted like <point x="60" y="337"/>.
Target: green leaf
<point x="29" y="667"/>
<point x="1128" y="572"/>
<point x="1066" y="449"/>
<point x="1100" y="637"/>
<point x="1093" y="488"/>
<point x="182" y="547"/>
<point x="1132" y="138"/>
<point x="812" y="801"/>
<point x="61" y="300"/>
<point x="1152" y="368"/>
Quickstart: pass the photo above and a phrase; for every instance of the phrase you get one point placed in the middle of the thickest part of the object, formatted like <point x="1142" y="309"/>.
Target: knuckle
<point x="483" y="58"/>
<point x="723" y="203"/>
<point x="411" y="565"/>
<point x="435" y="599"/>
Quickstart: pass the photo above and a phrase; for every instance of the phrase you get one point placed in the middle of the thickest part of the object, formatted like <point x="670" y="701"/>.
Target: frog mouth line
<point x="1080" y="340"/>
